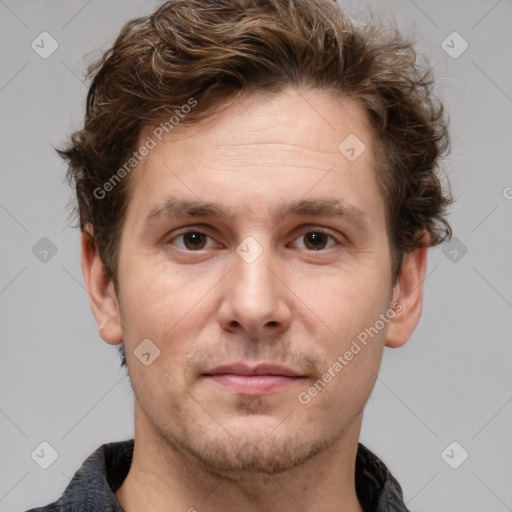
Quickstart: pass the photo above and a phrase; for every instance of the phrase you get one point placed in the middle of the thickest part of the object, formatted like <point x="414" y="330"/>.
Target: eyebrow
<point x="179" y="208"/>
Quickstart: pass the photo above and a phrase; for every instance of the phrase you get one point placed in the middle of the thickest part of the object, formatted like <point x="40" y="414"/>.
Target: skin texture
<point x="199" y="444"/>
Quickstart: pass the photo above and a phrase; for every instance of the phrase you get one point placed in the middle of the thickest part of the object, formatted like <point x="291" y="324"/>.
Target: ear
<point x="100" y="287"/>
<point x="408" y="297"/>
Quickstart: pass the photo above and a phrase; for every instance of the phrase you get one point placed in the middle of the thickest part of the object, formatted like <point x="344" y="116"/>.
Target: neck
<point x="164" y="477"/>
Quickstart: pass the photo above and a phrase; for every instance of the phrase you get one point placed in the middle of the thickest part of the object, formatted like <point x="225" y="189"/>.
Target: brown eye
<point x="315" y="241"/>
<point x="192" y="241"/>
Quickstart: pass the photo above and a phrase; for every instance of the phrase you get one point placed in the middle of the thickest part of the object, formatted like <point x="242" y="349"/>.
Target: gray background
<point x="60" y="383"/>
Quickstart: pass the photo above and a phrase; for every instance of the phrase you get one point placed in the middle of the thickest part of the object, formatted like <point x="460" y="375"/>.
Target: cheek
<point x="159" y="297"/>
<point x="169" y="308"/>
<point x="348" y="307"/>
<point x="350" y="369"/>
<point x="346" y="299"/>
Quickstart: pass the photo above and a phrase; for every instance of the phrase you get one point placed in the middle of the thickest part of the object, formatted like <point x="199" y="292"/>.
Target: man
<point x="257" y="191"/>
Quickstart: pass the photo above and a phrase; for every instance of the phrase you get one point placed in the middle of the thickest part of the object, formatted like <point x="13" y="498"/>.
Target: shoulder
<point x="92" y="488"/>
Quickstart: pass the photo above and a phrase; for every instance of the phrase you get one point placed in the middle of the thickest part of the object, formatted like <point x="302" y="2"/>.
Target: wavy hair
<point x="213" y="50"/>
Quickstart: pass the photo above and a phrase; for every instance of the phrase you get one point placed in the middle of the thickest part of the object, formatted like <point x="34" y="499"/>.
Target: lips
<point x="260" y="369"/>
<point x="262" y="379"/>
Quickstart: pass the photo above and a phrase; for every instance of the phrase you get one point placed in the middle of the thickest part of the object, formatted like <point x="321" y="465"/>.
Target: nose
<point x="256" y="300"/>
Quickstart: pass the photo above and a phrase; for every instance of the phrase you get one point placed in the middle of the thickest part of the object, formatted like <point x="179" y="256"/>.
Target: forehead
<point x="262" y="148"/>
<point x="314" y="121"/>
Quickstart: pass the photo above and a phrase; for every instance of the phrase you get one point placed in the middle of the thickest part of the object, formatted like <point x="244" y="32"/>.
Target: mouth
<point x="263" y="379"/>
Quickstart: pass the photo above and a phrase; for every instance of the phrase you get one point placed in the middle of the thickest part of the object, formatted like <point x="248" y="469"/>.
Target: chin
<point x="251" y="444"/>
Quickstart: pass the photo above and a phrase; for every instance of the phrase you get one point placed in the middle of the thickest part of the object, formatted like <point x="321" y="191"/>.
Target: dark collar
<point x="93" y="486"/>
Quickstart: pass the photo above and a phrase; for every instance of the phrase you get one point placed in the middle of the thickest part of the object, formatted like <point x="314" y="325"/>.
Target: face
<point x="253" y="255"/>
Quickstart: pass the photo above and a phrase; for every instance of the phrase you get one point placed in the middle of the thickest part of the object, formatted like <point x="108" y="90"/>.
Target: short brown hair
<point x="211" y="51"/>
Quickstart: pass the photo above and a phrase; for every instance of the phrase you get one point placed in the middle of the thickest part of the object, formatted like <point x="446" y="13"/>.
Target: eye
<point x="316" y="240"/>
<point x="193" y="241"/>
